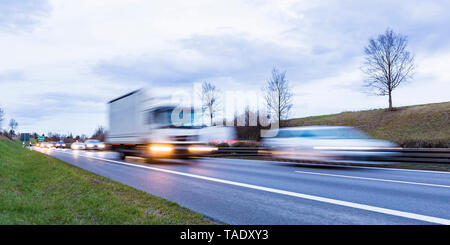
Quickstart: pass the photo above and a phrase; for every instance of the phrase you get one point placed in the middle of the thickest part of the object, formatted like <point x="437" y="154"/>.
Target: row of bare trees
<point x="13" y="124"/>
<point x="2" y="114"/>
<point x="387" y="65"/>
<point x="277" y="95"/>
<point x="100" y="134"/>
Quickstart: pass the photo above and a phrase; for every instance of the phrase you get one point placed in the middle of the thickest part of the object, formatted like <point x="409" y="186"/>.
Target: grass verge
<point x="38" y="189"/>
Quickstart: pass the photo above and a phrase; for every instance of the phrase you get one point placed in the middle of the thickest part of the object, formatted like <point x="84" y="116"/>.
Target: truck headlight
<point x="161" y="148"/>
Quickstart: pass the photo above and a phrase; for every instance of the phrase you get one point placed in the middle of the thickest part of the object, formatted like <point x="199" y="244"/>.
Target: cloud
<point x="22" y="15"/>
<point x="60" y="75"/>
<point x="11" y="76"/>
<point x="234" y="55"/>
<point x="58" y="112"/>
<point x="51" y="104"/>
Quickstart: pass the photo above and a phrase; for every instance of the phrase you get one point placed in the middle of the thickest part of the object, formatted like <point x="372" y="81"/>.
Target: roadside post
<point x="25" y="138"/>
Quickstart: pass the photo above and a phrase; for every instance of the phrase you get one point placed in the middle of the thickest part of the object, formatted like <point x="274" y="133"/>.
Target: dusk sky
<point x="62" y="61"/>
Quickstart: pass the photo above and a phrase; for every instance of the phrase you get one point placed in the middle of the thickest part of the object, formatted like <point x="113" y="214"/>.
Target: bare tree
<point x="278" y="95"/>
<point x="387" y="63"/>
<point x="99" y="133"/>
<point x="210" y="101"/>
<point x="53" y="136"/>
<point x="12" y="126"/>
<point x="2" y="113"/>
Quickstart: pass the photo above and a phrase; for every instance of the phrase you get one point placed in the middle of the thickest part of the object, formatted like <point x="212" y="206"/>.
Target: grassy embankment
<point x="410" y="126"/>
<point x="38" y="189"/>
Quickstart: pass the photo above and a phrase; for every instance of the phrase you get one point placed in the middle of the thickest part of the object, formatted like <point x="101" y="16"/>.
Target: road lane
<point x="237" y="205"/>
<point x="374" y="179"/>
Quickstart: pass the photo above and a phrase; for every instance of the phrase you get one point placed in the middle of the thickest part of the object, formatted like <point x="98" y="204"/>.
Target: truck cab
<point x="142" y="125"/>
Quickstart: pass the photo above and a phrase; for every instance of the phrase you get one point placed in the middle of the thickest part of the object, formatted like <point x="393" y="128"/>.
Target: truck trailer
<point x="143" y="125"/>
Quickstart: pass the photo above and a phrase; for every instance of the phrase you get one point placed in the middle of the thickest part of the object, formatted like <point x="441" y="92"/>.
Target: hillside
<point x="410" y="126"/>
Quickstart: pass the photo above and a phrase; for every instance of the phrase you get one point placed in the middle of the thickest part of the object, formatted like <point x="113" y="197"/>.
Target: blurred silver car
<point x="217" y="135"/>
<point x="60" y="144"/>
<point x="44" y="145"/>
<point x="327" y="143"/>
<point x="94" y="145"/>
<point x="78" y="146"/>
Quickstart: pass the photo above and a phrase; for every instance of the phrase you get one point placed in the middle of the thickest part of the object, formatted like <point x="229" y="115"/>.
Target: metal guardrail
<point x="239" y="151"/>
<point x="425" y="155"/>
<point x="435" y="155"/>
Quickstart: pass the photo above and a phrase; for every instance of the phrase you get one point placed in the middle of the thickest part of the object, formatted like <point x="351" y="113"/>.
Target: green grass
<point x="411" y="126"/>
<point x="38" y="189"/>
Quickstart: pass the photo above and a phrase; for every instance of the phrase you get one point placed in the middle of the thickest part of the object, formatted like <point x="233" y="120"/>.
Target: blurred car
<point x="78" y="146"/>
<point x="327" y="143"/>
<point x="94" y="145"/>
<point x="218" y="135"/>
<point x="60" y="144"/>
<point x="44" y="145"/>
<point x="53" y="144"/>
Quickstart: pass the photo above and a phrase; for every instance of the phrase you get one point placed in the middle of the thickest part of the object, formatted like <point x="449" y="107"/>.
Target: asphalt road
<point x="263" y="192"/>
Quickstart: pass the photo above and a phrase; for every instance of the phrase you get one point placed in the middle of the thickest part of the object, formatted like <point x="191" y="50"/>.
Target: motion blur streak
<point x="354" y="148"/>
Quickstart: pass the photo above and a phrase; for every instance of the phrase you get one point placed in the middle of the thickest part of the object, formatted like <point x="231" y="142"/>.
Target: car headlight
<point x="101" y="146"/>
<point x="201" y="149"/>
<point x="90" y="145"/>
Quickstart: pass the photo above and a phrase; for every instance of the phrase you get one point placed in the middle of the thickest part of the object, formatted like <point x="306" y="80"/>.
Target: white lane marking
<point x="334" y="165"/>
<point x="290" y="193"/>
<point x="398" y="169"/>
<point x="375" y="179"/>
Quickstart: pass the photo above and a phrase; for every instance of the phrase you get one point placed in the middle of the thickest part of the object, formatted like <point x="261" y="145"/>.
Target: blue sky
<point x="63" y="60"/>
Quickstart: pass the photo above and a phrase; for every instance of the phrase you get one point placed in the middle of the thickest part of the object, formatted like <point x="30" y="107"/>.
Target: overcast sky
<point x="61" y="61"/>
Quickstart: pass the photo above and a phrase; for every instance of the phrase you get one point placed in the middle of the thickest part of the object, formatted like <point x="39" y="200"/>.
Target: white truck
<point x="142" y="125"/>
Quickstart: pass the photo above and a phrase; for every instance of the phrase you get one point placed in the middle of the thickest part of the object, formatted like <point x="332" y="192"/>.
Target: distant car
<point x="44" y="145"/>
<point x="78" y="146"/>
<point x="327" y="143"/>
<point x="60" y="144"/>
<point x="54" y="144"/>
<point x="218" y="135"/>
<point x="94" y="145"/>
